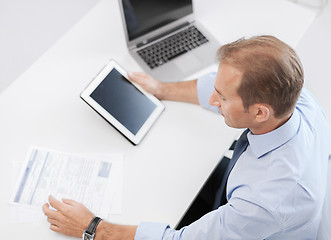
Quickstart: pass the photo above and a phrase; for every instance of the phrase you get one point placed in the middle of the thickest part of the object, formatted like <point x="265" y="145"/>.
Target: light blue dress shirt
<point x="277" y="187"/>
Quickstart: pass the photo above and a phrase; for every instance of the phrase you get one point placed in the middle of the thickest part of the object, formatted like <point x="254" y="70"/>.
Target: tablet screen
<point x="123" y="101"/>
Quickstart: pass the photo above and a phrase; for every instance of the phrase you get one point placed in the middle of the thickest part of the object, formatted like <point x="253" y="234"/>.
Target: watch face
<point x="87" y="236"/>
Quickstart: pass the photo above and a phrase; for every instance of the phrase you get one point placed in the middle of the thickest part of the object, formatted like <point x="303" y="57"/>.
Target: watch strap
<point x="93" y="225"/>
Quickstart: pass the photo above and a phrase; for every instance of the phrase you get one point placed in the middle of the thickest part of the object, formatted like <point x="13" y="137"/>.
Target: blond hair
<point x="272" y="72"/>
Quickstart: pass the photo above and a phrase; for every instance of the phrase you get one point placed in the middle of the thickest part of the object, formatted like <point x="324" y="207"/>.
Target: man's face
<point x="226" y="98"/>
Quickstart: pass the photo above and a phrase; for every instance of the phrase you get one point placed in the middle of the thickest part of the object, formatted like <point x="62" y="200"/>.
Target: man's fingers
<point x="52" y="221"/>
<point x="54" y="228"/>
<point x="50" y="212"/>
<point x="55" y="203"/>
<point x="137" y="76"/>
<point x="69" y="201"/>
<point x="45" y="207"/>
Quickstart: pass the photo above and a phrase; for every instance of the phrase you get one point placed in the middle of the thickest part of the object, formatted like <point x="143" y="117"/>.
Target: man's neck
<point x="270" y="125"/>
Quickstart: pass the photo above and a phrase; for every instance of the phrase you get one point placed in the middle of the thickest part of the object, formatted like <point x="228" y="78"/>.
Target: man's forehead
<point x="228" y="75"/>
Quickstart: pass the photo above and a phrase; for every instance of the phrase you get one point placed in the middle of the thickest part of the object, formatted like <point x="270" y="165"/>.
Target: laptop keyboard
<point x="171" y="47"/>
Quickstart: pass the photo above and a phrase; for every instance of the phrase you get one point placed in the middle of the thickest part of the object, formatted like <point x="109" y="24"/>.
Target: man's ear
<point x="262" y="112"/>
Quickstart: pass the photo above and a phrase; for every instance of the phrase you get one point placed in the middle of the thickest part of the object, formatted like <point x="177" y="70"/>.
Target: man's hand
<point x="148" y="83"/>
<point x="175" y="91"/>
<point x="71" y="217"/>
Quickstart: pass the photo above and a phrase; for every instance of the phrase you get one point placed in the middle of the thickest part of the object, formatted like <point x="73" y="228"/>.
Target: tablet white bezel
<point x="85" y="95"/>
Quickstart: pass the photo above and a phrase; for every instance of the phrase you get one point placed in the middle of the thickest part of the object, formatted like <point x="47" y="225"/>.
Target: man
<point x="277" y="186"/>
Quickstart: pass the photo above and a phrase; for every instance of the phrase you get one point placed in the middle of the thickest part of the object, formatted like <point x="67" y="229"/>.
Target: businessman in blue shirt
<point x="277" y="186"/>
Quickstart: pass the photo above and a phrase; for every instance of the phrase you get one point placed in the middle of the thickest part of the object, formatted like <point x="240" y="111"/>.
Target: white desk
<point x="163" y="173"/>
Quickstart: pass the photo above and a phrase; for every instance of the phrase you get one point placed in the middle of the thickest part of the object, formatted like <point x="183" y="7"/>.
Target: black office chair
<point x="204" y="201"/>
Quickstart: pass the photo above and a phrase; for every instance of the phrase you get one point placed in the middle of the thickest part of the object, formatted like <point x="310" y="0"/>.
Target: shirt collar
<point x="264" y="143"/>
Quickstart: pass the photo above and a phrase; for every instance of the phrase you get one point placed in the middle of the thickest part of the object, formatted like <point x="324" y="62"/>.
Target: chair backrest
<point x="324" y="231"/>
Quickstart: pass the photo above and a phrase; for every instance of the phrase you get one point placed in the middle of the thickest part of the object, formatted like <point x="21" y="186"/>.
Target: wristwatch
<point x="89" y="233"/>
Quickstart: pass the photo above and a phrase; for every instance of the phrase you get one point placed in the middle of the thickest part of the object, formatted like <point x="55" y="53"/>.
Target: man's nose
<point x="213" y="100"/>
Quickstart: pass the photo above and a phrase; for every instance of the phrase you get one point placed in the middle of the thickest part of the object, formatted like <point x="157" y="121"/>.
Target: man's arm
<point x="72" y="218"/>
<point x="178" y="91"/>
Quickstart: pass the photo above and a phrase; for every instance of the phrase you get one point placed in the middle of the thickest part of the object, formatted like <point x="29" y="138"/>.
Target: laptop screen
<point x="143" y="16"/>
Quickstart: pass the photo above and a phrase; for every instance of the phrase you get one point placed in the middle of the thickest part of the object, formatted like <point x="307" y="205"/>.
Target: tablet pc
<point x="125" y="105"/>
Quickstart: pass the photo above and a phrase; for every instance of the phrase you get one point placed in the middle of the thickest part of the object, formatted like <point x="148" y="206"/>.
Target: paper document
<point x="94" y="181"/>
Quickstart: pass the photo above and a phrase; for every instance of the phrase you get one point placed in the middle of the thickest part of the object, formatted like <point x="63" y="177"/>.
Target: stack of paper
<point x="96" y="182"/>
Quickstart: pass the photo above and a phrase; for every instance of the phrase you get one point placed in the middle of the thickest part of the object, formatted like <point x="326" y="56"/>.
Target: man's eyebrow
<point x="218" y="91"/>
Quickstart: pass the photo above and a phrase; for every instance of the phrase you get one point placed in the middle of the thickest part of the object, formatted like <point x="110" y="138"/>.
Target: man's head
<point x="264" y="73"/>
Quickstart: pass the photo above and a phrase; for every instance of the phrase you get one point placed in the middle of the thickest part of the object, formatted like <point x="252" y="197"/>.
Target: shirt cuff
<point x="150" y="231"/>
<point x="205" y="87"/>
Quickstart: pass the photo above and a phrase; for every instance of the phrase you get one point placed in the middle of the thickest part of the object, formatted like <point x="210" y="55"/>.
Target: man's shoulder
<point x="307" y="101"/>
<point x="311" y="111"/>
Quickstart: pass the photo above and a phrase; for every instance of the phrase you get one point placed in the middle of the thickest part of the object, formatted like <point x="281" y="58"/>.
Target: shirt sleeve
<point x="150" y="231"/>
<point x="239" y="219"/>
<point x="205" y="87"/>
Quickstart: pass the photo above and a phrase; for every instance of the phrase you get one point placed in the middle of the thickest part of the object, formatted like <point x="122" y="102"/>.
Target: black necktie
<point x="240" y="147"/>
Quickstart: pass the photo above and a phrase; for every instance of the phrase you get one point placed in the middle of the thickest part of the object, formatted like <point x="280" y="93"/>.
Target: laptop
<point x="164" y="38"/>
